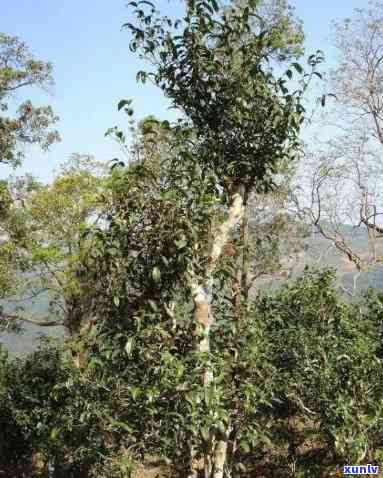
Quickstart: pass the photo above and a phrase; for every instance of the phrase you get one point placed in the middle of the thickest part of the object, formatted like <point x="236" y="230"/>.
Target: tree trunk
<point x="202" y="297"/>
<point x="220" y="455"/>
<point x="241" y="284"/>
<point x="245" y="251"/>
<point x="192" y="471"/>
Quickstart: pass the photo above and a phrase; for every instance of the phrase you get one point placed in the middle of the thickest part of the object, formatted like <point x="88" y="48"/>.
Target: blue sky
<point x="94" y="69"/>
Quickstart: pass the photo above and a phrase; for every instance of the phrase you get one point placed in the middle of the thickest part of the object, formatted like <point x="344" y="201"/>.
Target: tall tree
<point x="44" y="238"/>
<point x="30" y="124"/>
<point x="168" y="234"/>
<point x="27" y="125"/>
<point x="346" y="172"/>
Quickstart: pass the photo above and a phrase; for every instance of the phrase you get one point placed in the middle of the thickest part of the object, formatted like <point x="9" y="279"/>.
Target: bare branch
<point x="40" y="323"/>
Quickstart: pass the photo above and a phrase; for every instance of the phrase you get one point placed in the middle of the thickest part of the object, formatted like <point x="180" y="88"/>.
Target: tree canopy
<point x="29" y="124"/>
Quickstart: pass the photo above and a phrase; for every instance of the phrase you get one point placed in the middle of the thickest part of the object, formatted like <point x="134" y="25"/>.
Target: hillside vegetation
<point x="216" y="290"/>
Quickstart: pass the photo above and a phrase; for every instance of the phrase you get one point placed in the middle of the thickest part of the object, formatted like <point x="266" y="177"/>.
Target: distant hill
<point x="318" y="251"/>
<point x="19" y="344"/>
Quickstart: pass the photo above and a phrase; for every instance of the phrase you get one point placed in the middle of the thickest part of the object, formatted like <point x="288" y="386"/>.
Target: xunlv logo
<point x="360" y="470"/>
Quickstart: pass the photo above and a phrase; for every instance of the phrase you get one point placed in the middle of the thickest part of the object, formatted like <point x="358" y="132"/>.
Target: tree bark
<point x="202" y="296"/>
<point x="245" y="251"/>
<point x="220" y="454"/>
<point x="241" y="286"/>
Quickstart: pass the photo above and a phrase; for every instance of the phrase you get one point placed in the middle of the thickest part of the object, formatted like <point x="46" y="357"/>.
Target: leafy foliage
<point x="44" y="238"/>
<point x="167" y="229"/>
<point x="130" y="251"/>
<point x="302" y="373"/>
<point x="30" y="125"/>
<point x="216" y="72"/>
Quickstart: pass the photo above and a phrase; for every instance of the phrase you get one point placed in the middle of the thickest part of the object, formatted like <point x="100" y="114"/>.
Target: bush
<point x="300" y="381"/>
<point x="330" y="376"/>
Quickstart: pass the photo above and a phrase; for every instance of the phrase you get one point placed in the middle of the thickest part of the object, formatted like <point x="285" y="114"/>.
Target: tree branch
<point x="40" y="323"/>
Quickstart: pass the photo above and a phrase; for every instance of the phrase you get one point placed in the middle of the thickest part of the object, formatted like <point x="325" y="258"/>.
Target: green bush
<point x="329" y="364"/>
<point x="300" y="380"/>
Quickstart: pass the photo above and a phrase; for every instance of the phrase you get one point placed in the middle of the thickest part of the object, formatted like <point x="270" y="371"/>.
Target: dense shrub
<point x="329" y="368"/>
<point x="300" y="381"/>
<point x="14" y="448"/>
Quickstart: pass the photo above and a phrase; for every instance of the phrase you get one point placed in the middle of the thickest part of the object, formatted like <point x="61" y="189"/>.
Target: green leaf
<point x="245" y="446"/>
<point x="141" y="76"/>
<point x="53" y="434"/>
<point x="146" y="2"/>
<point x="221" y="428"/>
<point x="153" y="305"/>
<point x="215" y="5"/>
<point x="129" y="346"/>
<point x="123" y="103"/>
<point x="156" y="274"/>
<point x="124" y="426"/>
<point x="180" y="243"/>
<point x="135" y="391"/>
<point x="205" y="432"/>
<point x="297" y="67"/>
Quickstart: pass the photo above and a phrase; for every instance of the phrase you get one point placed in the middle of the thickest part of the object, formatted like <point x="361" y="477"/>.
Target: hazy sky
<point x="94" y="69"/>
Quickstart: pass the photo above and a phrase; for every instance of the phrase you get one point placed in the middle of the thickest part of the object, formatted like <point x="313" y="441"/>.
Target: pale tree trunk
<point x="192" y="471"/>
<point x="220" y="455"/>
<point x="202" y="297"/>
